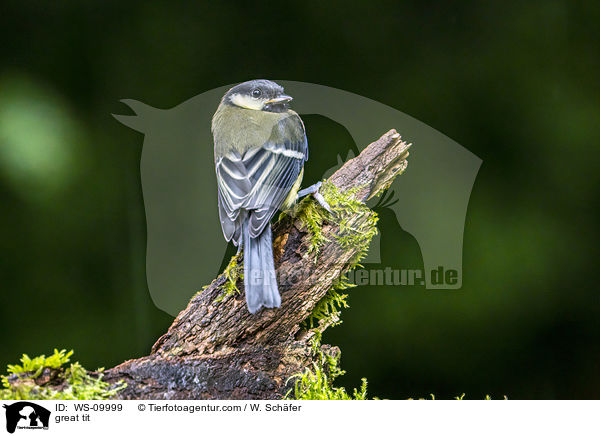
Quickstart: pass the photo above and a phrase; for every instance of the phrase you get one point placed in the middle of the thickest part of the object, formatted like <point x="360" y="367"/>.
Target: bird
<point x="260" y="148"/>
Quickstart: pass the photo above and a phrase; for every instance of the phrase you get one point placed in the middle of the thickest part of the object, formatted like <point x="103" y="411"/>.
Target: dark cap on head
<point x="256" y="88"/>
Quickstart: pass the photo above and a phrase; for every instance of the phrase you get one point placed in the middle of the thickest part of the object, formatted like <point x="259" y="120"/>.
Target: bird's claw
<point x="314" y="190"/>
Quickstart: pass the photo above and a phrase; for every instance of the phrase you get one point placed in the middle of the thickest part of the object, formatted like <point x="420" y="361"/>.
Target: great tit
<point x="260" y="150"/>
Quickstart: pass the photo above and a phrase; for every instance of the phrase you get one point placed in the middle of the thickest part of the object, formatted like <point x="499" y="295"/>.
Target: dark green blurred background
<point x="514" y="82"/>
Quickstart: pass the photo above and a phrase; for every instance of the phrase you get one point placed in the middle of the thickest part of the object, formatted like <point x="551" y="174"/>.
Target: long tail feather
<point x="260" y="280"/>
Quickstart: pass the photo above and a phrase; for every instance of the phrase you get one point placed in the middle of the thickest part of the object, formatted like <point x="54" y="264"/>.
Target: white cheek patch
<point x="247" y="102"/>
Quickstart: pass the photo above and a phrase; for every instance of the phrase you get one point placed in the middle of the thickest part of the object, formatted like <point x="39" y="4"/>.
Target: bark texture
<point x="216" y="349"/>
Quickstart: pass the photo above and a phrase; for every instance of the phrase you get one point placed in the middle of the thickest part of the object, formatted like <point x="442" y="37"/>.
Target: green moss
<point x="317" y="386"/>
<point x="357" y="226"/>
<point x="312" y="215"/>
<point x="459" y="397"/>
<point x="356" y="221"/>
<point x="50" y="378"/>
<point x="326" y="312"/>
<point x="317" y="383"/>
<point x="233" y="273"/>
<point x="431" y="395"/>
<point x="462" y="397"/>
<point x="37" y="364"/>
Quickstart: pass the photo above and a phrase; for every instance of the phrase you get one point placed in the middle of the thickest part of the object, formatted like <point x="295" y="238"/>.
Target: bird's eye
<point x="256" y="93"/>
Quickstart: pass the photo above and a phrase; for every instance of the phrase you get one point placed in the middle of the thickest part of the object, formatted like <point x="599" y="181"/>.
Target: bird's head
<point x="259" y="95"/>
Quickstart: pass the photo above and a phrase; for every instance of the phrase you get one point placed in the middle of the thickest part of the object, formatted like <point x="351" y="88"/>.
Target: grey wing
<point x="233" y="187"/>
<point x="254" y="186"/>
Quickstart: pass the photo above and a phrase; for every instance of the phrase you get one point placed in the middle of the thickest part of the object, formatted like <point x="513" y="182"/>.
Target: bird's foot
<point x="314" y="190"/>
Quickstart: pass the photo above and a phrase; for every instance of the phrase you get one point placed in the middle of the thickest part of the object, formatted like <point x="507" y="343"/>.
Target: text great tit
<point x="260" y="151"/>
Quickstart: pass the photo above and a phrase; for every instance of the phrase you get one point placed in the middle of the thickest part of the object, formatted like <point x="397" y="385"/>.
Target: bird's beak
<point x="280" y="99"/>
